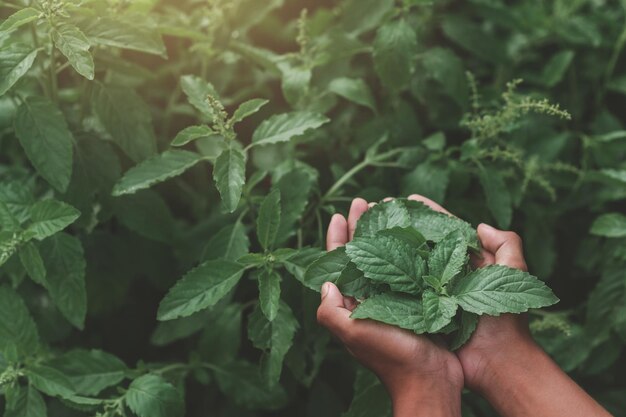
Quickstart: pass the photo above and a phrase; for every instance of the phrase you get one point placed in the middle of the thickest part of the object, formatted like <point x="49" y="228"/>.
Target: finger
<point x="337" y="232"/>
<point x="358" y="207"/>
<point x="332" y="313"/>
<point x="388" y="199"/>
<point x="430" y="203"/>
<point x="482" y="259"/>
<point x="372" y="204"/>
<point x="506" y="247"/>
<point x="349" y="303"/>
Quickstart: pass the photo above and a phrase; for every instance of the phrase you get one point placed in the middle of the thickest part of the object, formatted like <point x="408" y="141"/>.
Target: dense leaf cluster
<point x="168" y="168"/>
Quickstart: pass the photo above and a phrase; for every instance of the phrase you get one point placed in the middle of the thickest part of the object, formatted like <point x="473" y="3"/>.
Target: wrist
<point x="437" y="398"/>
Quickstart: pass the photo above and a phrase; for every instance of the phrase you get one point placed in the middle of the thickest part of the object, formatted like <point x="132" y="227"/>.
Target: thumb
<point x="332" y="312"/>
<point x="506" y="247"/>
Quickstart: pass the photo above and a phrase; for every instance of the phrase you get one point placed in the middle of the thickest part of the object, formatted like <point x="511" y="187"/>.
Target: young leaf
<point x="157" y="169"/>
<point x="497" y="289"/>
<point x="17" y="328"/>
<point x="89" y="371"/>
<point x="15" y="60"/>
<point x="121" y="33"/>
<point x="395" y="51"/>
<point x="247" y="109"/>
<point x="498" y="197"/>
<point x="229" y="174"/>
<point x="49" y="217"/>
<point x="19" y="18"/>
<point x="75" y="46"/>
<point x="32" y="262"/>
<point x="269" y="293"/>
<point x="152" y="396"/>
<point x="395" y="309"/>
<point x="65" y="279"/>
<point x="230" y="243"/>
<point x="49" y="381"/>
<point x="28" y="403"/>
<point x="126" y="117"/>
<point x="435" y="226"/>
<point x="355" y="90"/>
<point x="448" y="258"/>
<point x="191" y="133"/>
<point x="326" y="268"/>
<point x="382" y="217"/>
<point x="274" y="337"/>
<point x="388" y="261"/>
<point x="438" y="311"/>
<point x="197" y="90"/>
<point x="429" y="179"/>
<point x="295" y="187"/>
<point x="46" y="139"/>
<point x="268" y="219"/>
<point x="609" y="225"/>
<point x="200" y="288"/>
<point x="284" y="127"/>
<point x="469" y="322"/>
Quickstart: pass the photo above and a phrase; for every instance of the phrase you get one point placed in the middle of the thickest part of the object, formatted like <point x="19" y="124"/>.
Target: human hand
<point x="421" y="375"/>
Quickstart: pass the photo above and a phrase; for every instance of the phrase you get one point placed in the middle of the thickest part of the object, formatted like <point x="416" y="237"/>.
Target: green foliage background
<point x="107" y="197"/>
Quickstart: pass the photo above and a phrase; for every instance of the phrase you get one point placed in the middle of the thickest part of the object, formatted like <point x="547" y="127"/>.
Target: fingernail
<point x="325" y="289"/>
<point x="487" y="227"/>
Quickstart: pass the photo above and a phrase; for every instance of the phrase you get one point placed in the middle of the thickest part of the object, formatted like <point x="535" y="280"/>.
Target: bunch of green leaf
<point x="409" y="266"/>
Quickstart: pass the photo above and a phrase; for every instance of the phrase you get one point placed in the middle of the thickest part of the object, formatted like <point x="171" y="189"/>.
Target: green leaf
<point x="15" y="61"/>
<point x="448" y="258"/>
<point x="326" y="268"/>
<point x="497" y="289"/>
<point x="32" y="262"/>
<point x="269" y="293"/>
<point x="90" y="371"/>
<point x="75" y="46"/>
<point x="471" y="37"/>
<point x="388" y="261"/>
<point x="295" y="187"/>
<point x="147" y="214"/>
<point x="65" y="279"/>
<point x="152" y="396"/>
<point x="49" y="217"/>
<point x="17" y="328"/>
<point x="200" y="288"/>
<point x="154" y="170"/>
<point x="197" y="90"/>
<point x="435" y="226"/>
<point x="395" y="309"/>
<point x="429" y="179"/>
<point x="126" y="117"/>
<point x="122" y="33"/>
<point x="28" y="403"/>
<point x="191" y="133"/>
<point x="19" y="18"/>
<point x="609" y="225"/>
<point x="557" y="66"/>
<point x="395" y="51"/>
<point x="167" y="332"/>
<point x="370" y="397"/>
<point x="469" y="322"/>
<point x="220" y="341"/>
<point x="229" y="174"/>
<point x="49" y="381"/>
<point x="498" y="197"/>
<point x="284" y="127"/>
<point x="242" y="382"/>
<point x="247" y="109"/>
<point x="46" y="139"/>
<point x="383" y="216"/>
<point x="355" y="90"/>
<point x="230" y="243"/>
<point x="268" y="219"/>
<point x="275" y="337"/>
<point x="438" y="311"/>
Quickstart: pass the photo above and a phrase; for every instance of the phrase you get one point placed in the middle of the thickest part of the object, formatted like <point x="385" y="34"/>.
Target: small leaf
<point x="28" y="403"/>
<point x="498" y="197"/>
<point x="120" y="33"/>
<point x="152" y="396"/>
<point x="355" y="90"/>
<point x="383" y="216"/>
<point x="609" y="225"/>
<point x="269" y="293"/>
<point x="32" y="262"/>
<point x="15" y="61"/>
<point x="248" y="108"/>
<point x="284" y="127"/>
<point x="326" y="268"/>
<point x="448" y="258"/>
<point x="49" y="217"/>
<point x="557" y="66"/>
<point x="469" y="322"/>
<point x="17" y="328"/>
<point x="268" y="219"/>
<point x="19" y="18"/>
<point x="191" y="133"/>
<point x="230" y="243"/>
<point x="438" y="311"/>
<point x="43" y="133"/>
<point x="49" y="381"/>
<point x="200" y="288"/>
<point x="395" y="309"/>
<point x="497" y="289"/>
<point x="197" y="90"/>
<point x="75" y="46"/>
<point x="157" y="169"/>
<point x="395" y="52"/>
<point x="229" y="174"/>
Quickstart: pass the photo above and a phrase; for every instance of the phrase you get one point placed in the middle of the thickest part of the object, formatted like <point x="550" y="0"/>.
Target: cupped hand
<point x="409" y="365"/>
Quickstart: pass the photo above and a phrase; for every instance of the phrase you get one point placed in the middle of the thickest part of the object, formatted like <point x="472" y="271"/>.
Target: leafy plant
<point x="168" y="168"/>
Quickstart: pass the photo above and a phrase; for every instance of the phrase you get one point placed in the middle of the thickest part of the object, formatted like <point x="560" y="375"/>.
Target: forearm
<point x="526" y="382"/>
<point x="427" y="401"/>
